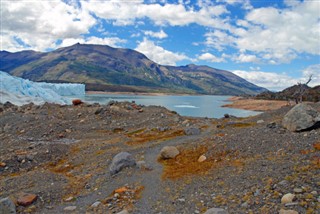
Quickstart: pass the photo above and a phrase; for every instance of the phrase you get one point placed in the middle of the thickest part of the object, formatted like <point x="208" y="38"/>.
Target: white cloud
<point x="111" y="41"/>
<point x="279" y="35"/>
<point x="160" y="35"/>
<point x="127" y="13"/>
<point x="38" y="24"/>
<point x="269" y="80"/>
<point x="246" y="58"/>
<point x="277" y="82"/>
<point x="210" y="57"/>
<point x="158" y="54"/>
<point x="313" y="70"/>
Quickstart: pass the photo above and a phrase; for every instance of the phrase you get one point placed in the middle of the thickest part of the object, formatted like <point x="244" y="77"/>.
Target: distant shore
<point x="254" y="104"/>
<point x="140" y="93"/>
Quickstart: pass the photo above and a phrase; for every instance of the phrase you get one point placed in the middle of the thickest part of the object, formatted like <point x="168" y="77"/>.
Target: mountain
<point x="105" y="68"/>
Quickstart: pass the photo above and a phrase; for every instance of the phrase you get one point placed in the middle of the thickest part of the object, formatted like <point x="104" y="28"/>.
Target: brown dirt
<point x="63" y="153"/>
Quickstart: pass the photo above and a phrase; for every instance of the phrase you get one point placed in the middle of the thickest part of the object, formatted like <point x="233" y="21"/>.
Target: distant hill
<point x="105" y="68"/>
<point x="311" y="94"/>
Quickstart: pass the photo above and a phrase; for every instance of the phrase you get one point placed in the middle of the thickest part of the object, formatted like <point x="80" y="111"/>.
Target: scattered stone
<point x="301" y="117"/>
<point x="98" y="111"/>
<point x="216" y="211"/>
<point x="202" y="158"/>
<point x="123" y="212"/>
<point x="272" y="125"/>
<point x="226" y="115"/>
<point x="96" y="204"/>
<point x="69" y="199"/>
<point x="7" y="206"/>
<point x="120" y="161"/>
<point x="283" y="183"/>
<point x="169" y="152"/>
<point x="287" y="198"/>
<point x="77" y="102"/>
<point x="245" y="205"/>
<point x="25" y="199"/>
<point x="192" y="131"/>
<point x="260" y="121"/>
<point x="182" y="200"/>
<point x="298" y="190"/>
<point x="143" y="165"/>
<point x="314" y="193"/>
<point x="2" y="164"/>
<point x="70" y="208"/>
<point x="291" y="204"/>
<point x="283" y="211"/>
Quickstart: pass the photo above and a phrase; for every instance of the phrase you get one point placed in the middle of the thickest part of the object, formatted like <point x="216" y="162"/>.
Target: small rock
<point x="202" y="158"/>
<point x="283" y="183"/>
<point x="216" y="211"/>
<point x="287" y="198"/>
<point x="7" y="206"/>
<point x="120" y="161"/>
<point x="76" y="102"/>
<point x="297" y="190"/>
<point x="98" y="111"/>
<point x="96" y="204"/>
<point x="169" y="152"/>
<point x="192" y="131"/>
<point x="70" y="208"/>
<point x="25" y="199"/>
<point x="182" y="200"/>
<point x="314" y="193"/>
<point x="260" y="121"/>
<point x="283" y="211"/>
<point x="2" y="164"/>
<point x="143" y="165"/>
<point x="116" y="195"/>
<point x="123" y="212"/>
<point x="245" y="205"/>
<point x="69" y="199"/>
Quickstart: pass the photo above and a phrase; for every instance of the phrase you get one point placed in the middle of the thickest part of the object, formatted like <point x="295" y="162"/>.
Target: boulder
<point x="300" y="117"/>
<point x="169" y="152"/>
<point x="120" y="161"/>
<point x="7" y="206"/>
<point x="216" y="211"/>
<point x="192" y="131"/>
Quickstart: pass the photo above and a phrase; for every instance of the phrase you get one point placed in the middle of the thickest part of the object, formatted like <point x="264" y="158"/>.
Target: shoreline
<point x="140" y="93"/>
<point x="254" y="104"/>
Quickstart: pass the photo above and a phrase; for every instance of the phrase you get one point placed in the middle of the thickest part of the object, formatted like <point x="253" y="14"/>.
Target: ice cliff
<point x="20" y="91"/>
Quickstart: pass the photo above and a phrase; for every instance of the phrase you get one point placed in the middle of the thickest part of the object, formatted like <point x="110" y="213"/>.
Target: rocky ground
<point x="56" y="159"/>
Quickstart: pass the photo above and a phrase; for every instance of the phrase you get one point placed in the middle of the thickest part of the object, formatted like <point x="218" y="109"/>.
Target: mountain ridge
<point x="105" y="68"/>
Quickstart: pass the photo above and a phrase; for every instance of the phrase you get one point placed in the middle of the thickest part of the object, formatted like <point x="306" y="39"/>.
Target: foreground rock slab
<point x="300" y="117"/>
<point x="120" y="161"/>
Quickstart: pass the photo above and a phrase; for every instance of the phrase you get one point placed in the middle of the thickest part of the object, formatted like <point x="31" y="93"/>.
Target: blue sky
<point x="274" y="44"/>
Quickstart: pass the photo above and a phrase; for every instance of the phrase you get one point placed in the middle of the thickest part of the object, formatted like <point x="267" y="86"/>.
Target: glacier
<point x="21" y="91"/>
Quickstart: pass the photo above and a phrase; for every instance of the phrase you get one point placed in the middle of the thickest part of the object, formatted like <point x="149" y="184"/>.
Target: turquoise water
<point x="195" y="106"/>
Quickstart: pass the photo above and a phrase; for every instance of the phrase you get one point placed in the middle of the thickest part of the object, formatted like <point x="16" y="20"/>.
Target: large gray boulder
<point x="7" y="206"/>
<point x="120" y="161"/>
<point x="301" y="117"/>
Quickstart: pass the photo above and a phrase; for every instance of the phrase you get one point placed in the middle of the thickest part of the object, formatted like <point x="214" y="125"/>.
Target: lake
<point x="186" y="105"/>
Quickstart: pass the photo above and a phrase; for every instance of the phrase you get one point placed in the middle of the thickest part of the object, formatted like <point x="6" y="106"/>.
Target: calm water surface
<point x="195" y="106"/>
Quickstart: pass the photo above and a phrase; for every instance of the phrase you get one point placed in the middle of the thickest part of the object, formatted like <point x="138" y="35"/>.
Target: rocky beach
<point x="127" y="158"/>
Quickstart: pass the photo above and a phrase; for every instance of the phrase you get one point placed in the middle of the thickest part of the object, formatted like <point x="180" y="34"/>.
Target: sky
<point x="271" y="43"/>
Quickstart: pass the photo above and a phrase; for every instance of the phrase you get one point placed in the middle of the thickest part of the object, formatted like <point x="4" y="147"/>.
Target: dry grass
<point x="153" y="135"/>
<point x="186" y="163"/>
